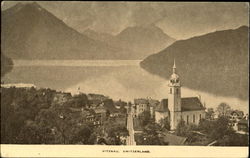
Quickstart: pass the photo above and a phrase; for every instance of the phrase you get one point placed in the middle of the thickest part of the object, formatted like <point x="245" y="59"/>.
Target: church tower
<point x="174" y="99"/>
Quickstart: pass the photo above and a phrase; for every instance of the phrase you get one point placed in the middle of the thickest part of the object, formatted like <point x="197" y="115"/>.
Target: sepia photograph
<point x="124" y="77"/>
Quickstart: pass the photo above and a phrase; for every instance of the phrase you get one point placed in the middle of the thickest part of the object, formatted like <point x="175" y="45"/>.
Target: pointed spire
<point x="174" y="64"/>
<point x="174" y="67"/>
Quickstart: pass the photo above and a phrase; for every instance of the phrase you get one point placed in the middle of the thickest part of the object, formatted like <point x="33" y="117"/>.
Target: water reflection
<point x="124" y="81"/>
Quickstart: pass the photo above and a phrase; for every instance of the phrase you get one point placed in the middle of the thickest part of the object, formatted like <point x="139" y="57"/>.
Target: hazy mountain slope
<point x="144" y="40"/>
<point x="6" y="65"/>
<point x="31" y="32"/>
<point x="138" y="41"/>
<point x="216" y="62"/>
<point x="112" y="41"/>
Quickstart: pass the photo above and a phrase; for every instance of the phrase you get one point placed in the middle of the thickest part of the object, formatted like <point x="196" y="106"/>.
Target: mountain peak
<point x="33" y="5"/>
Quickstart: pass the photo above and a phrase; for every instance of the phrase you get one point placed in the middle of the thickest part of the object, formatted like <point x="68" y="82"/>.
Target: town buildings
<point x="174" y="108"/>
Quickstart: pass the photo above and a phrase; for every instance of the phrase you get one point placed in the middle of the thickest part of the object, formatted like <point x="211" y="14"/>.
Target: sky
<point x="180" y="20"/>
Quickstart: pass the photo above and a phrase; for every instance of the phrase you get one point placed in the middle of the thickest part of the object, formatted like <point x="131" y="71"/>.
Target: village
<point x="97" y="119"/>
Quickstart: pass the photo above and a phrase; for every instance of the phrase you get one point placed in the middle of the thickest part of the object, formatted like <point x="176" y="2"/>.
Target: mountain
<point x="216" y="62"/>
<point x="144" y="40"/>
<point x="6" y="65"/>
<point x="104" y="37"/>
<point x="31" y="32"/>
<point x="138" y="41"/>
<point x="111" y="41"/>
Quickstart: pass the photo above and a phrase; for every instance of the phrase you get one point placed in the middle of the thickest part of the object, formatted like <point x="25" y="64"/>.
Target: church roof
<point x="163" y="106"/>
<point x="191" y="104"/>
<point x="187" y="104"/>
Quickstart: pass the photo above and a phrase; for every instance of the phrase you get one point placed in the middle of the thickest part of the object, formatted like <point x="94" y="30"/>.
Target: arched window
<point x="187" y="120"/>
<point x="177" y="90"/>
<point x="200" y="116"/>
<point x="170" y="91"/>
<point x="194" y="118"/>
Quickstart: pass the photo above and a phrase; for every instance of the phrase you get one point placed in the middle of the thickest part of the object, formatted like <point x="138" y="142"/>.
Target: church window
<point x="170" y="90"/>
<point x="177" y="90"/>
<point x="193" y="118"/>
<point x="200" y="116"/>
<point x="187" y="119"/>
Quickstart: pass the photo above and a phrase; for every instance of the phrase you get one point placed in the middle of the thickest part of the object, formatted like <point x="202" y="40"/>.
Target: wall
<point x="191" y="113"/>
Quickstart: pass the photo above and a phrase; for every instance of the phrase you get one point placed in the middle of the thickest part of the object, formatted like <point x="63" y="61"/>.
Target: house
<point x="152" y="106"/>
<point x="172" y="139"/>
<point x="243" y="125"/>
<point x="176" y="108"/>
<point x="161" y="110"/>
<point x="100" y="115"/>
<point x="141" y="105"/>
<point x="236" y="115"/>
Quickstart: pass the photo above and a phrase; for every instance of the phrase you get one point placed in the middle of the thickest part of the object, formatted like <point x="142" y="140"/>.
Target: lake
<point x="118" y="79"/>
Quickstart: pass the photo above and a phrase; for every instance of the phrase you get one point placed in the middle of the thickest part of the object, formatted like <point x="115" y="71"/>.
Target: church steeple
<point x="174" y="67"/>
<point x="174" y="79"/>
<point x="174" y="98"/>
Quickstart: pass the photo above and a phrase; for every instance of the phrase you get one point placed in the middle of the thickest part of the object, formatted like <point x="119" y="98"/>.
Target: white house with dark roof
<point x="176" y="108"/>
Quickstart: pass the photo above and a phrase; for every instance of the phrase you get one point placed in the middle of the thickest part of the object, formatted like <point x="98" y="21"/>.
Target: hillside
<point x="112" y="41"/>
<point x="6" y="65"/>
<point x="144" y="40"/>
<point x="216" y="62"/>
<point x="138" y="42"/>
<point x="31" y="32"/>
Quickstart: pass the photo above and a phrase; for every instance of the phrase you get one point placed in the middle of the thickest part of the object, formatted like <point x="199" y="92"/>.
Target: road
<point x="130" y="139"/>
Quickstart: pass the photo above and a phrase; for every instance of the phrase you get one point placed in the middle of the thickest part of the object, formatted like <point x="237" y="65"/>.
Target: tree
<point x="185" y="130"/>
<point x="115" y="133"/>
<point x="234" y="139"/>
<point x="80" y="100"/>
<point x="144" y="118"/>
<point x="205" y="125"/>
<point x="84" y="135"/>
<point x="224" y="109"/>
<point x="210" y="114"/>
<point x="165" y="123"/>
<point x="181" y="128"/>
<point x="221" y="127"/>
<point x="150" y="135"/>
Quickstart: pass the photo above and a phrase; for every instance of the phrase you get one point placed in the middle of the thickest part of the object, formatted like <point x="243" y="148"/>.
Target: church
<point x="176" y="108"/>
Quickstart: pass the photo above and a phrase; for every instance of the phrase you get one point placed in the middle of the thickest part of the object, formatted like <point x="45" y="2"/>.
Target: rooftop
<point x="243" y="121"/>
<point x="173" y="139"/>
<point x="187" y="104"/>
<point x="140" y="101"/>
<point x="190" y="104"/>
<point x="162" y="106"/>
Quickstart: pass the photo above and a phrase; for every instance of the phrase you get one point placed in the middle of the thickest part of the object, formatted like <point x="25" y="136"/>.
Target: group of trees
<point x="150" y="134"/>
<point x="31" y="116"/>
<point x="219" y="129"/>
<point x="115" y="133"/>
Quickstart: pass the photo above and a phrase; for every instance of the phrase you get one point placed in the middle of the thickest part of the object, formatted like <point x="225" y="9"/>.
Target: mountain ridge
<point x="219" y="58"/>
<point x="31" y="32"/>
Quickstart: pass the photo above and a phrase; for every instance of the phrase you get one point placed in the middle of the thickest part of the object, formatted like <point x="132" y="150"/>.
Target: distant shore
<point x="76" y="62"/>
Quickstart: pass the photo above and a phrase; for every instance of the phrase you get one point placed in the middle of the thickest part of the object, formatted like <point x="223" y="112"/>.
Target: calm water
<point x="118" y="79"/>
